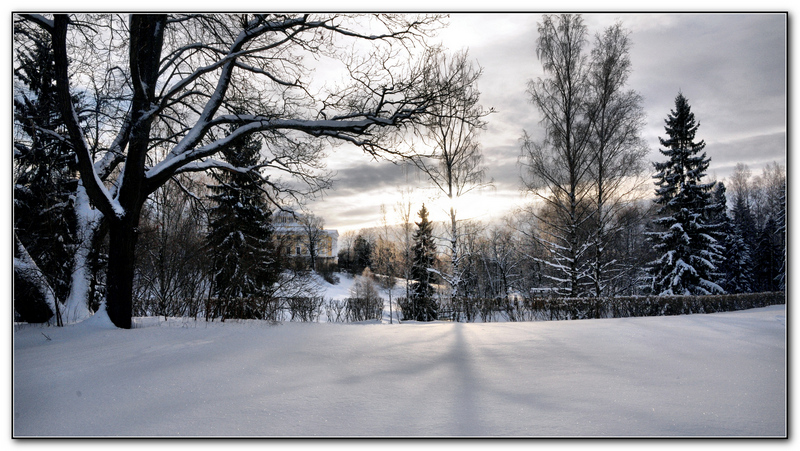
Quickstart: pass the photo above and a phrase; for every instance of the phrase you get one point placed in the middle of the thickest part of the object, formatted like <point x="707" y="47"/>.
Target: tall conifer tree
<point x="768" y="258"/>
<point x="739" y="253"/>
<point x="44" y="175"/>
<point x="721" y="231"/>
<point x="424" y="307"/>
<point x="685" y="238"/>
<point x="240" y="240"/>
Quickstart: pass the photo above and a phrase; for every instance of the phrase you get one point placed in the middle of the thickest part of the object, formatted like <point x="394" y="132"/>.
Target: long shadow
<point x="466" y="408"/>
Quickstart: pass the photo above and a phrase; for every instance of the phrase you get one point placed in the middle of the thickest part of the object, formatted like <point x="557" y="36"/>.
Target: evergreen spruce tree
<point x="781" y="232"/>
<point x="362" y="254"/>
<point x="240" y="239"/>
<point x="684" y="239"/>
<point x="769" y="258"/>
<point x="739" y="254"/>
<point x="44" y="173"/>
<point x="423" y="305"/>
<point x="721" y="231"/>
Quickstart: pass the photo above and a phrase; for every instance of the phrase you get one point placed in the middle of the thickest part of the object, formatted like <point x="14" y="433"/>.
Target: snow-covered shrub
<point x="364" y="302"/>
<point x="559" y="309"/>
<point x="304" y="308"/>
<point x="364" y="309"/>
<point x="336" y="310"/>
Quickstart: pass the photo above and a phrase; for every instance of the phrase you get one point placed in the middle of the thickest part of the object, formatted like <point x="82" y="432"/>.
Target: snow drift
<point x="720" y="374"/>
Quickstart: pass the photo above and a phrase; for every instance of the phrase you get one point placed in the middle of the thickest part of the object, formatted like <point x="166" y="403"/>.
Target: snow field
<point x="699" y="375"/>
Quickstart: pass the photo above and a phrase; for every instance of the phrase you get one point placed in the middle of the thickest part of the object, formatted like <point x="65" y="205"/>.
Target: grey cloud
<point x="731" y="67"/>
<point x="370" y="176"/>
<point x="754" y="151"/>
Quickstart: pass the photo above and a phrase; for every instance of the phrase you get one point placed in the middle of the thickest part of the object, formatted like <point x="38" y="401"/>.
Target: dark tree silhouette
<point x="684" y="239"/>
<point x="424" y="307"/>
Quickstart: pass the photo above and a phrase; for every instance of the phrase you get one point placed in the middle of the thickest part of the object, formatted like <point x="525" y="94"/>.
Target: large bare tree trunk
<point x="119" y="294"/>
<point x="147" y="36"/>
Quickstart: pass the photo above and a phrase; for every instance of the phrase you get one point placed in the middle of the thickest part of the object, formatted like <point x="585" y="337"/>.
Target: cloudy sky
<point x="731" y="67"/>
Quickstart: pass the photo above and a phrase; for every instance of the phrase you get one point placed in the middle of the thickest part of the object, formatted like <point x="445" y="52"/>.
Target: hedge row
<point x="309" y="309"/>
<point x="296" y="309"/>
<point x="548" y="309"/>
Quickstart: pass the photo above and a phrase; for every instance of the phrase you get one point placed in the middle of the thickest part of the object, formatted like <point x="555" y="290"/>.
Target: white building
<point x="293" y="234"/>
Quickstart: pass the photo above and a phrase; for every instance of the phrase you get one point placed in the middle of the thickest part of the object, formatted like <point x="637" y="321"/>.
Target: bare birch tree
<point x="404" y="235"/>
<point x="558" y="167"/>
<point x="590" y="165"/>
<point x="456" y="166"/>
<point x="385" y="261"/>
<point x="615" y="118"/>
<point x="313" y="234"/>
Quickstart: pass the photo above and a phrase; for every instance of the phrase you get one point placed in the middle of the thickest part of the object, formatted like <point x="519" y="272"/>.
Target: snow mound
<point x="99" y="320"/>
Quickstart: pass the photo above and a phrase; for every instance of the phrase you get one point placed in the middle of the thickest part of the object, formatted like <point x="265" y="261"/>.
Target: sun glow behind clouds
<point x="363" y="210"/>
<point x="484" y="206"/>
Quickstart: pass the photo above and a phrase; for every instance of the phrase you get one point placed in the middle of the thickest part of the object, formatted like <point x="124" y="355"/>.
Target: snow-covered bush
<point x="631" y="306"/>
<point x="336" y="310"/>
<point x="364" y="302"/>
<point x="305" y="309"/>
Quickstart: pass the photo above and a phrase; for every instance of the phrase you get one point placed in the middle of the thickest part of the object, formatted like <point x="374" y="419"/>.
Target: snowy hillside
<point x="699" y="375"/>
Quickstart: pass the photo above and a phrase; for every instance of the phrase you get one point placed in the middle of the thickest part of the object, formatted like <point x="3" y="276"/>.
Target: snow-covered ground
<point x="700" y="375"/>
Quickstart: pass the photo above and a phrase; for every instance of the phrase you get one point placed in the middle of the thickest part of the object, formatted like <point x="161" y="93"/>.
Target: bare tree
<point x="171" y="274"/>
<point x="346" y="242"/>
<point x="45" y="179"/>
<point x="531" y="250"/>
<point x="767" y="191"/>
<point x="558" y="167"/>
<point x="615" y="118"/>
<point x="298" y="292"/>
<point x="502" y="260"/>
<point x="456" y="166"/>
<point x="629" y="249"/>
<point x="405" y="235"/>
<point x="179" y="82"/>
<point x="385" y="260"/>
<point x="472" y="246"/>
<point x="313" y="234"/>
<point x="739" y="184"/>
<point x="590" y="165"/>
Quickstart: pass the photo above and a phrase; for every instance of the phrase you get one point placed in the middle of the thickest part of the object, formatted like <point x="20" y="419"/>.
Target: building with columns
<point x="295" y="232"/>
